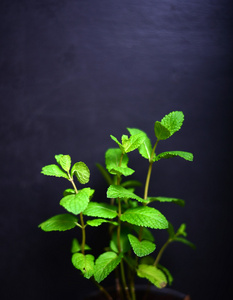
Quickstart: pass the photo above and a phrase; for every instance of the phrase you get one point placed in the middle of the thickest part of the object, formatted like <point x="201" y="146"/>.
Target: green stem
<point x="81" y="219"/>
<point x="126" y="289"/>
<point x="161" y="251"/>
<point x="102" y="289"/>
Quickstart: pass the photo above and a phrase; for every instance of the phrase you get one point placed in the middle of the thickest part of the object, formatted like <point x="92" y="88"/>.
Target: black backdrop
<point x="74" y="72"/>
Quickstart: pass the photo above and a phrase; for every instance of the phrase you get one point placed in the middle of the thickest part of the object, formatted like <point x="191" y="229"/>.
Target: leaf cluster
<point x="130" y="217"/>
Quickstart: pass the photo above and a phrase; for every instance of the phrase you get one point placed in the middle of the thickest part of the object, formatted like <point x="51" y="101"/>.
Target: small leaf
<point x="131" y="183"/>
<point x="181" y="230"/>
<point x="185" y="241"/>
<point x="76" y="203"/>
<point x="81" y="171"/>
<point x="113" y="158"/>
<point x="65" y="162"/>
<point x="124" y="241"/>
<point x="167" y="273"/>
<point x="153" y="274"/>
<point x="68" y="192"/>
<point x="186" y="155"/>
<point x="132" y="143"/>
<point x="173" y="121"/>
<point x="144" y="232"/>
<point x="105" y="264"/>
<point x="57" y="157"/>
<point x="84" y="263"/>
<point x="98" y="222"/>
<point x="161" y="132"/>
<point x="100" y="210"/>
<point x="121" y="171"/>
<point x="170" y="230"/>
<point x="167" y="199"/>
<point x="60" y="222"/>
<point x="145" y="216"/>
<point x="54" y="170"/>
<point x="141" y="248"/>
<point x="117" y="191"/>
<point x="76" y="247"/>
<point x="118" y="143"/>
<point x="145" y="148"/>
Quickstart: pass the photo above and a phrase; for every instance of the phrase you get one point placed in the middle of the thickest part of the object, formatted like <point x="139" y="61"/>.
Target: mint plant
<point x="131" y="217"/>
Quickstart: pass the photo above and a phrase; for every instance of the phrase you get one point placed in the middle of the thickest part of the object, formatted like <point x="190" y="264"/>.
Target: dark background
<point x="74" y="72"/>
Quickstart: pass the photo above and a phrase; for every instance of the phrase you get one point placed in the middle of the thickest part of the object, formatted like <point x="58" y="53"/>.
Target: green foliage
<point x="81" y="171"/>
<point x="84" y="263"/>
<point x="61" y="222"/>
<point x="105" y="264"/>
<point x="145" y="216"/>
<point x="77" y="203"/>
<point x="141" y="248"/>
<point x="153" y="274"/>
<point x="126" y="214"/>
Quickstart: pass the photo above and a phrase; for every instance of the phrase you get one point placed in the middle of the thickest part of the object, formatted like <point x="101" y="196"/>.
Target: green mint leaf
<point x="113" y="158"/>
<point x="144" y="232"/>
<point x="185" y="241"/>
<point x="181" y="230"/>
<point x="104" y="173"/>
<point x="153" y="274"/>
<point x="141" y="248"/>
<point x="173" y="121"/>
<point x="118" y="143"/>
<point x="68" y="192"/>
<point x="105" y="264"/>
<point x="170" y="230"/>
<point x="124" y="241"/>
<point x="65" y="162"/>
<point x="54" y="170"/>
<point x="117" y="191"/>
<point x="132" y="143"/>
<point x="186" y="155"/>
<point x="161" y="132"/>
<point x="84" y="263"/>
<point x="131" y="183"/>
<point x="76" y="203"/>
<point x="81" y="171"/>
<point x="76" y="247"/>
<point x="57" y="157"/>
<point x="61" y="222"/>
<point x="100" y="210"/>
<point x="145" y="148"/>
<point x="121" y="171"/>
<point x="167" y="273"/>
<point x="98" y="222"/>
<point x="167" y="199"/>
<point x="145" y="216"/>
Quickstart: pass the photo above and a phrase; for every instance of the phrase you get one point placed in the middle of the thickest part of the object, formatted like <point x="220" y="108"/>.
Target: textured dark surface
<point x="74" y="72"/>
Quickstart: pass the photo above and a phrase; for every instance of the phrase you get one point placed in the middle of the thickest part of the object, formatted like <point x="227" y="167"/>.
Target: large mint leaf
<point x="117" y="191"/>
<point x="59" y="223"/>
<point x="161" y="132"/>
<point x="167" y="199"/>
<point x="186" y="155"/>
<point x="145" y="216"/>
<point x="76" y="203"/>
<point x="173" y="121"/>
<point x="81" y="171"/>
<point x="54" y="170"/>
<point x="84" y="263"/>
<point x="65" y="162"/>
<point x="105" y="264"/>
<point x="145" y="148"/>
<point x="141" y="248"/>
<point x="153" y="274"/>
<point x="100" y="210"/>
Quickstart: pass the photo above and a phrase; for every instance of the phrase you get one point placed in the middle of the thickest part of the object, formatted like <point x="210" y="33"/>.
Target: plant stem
<point x="126" y="289"/>
<point x="81" y="219"/>
<point x="149" y="171"/>
<point x="161" y="251"/>
<point x="102" y="289"/>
